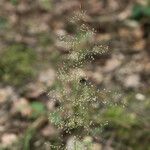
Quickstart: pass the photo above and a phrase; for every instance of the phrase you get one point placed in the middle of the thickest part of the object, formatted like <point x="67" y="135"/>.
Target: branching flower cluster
<point x="79" y="101"/>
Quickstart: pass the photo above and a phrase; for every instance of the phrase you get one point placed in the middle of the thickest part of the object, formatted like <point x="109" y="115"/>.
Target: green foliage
<point x="14" y="2"/>
<point x="46" y="4"/>
<point x="3" y="22"/>
<point x="16" y="64"/>
<point x="118" y="116"/>
<point x="27" y="139"/>
<point x="45" y="39"/>
<point x="140" y="11"/>
<point x="37" y="109"/>
<point x="128" y="125"/>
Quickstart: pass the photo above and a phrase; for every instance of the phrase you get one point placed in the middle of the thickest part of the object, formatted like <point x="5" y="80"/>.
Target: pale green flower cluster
<point x="78" y="98"/>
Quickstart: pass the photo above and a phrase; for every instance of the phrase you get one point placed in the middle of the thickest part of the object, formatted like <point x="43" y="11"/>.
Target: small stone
<point x="87" y="139"/>
<point x="51" y="105"/>
<point x="96" y="146"/>
<point x="22" y="7"/>
<point x="22" y="105"/>
<point x="112" y="64"/>
<point x="3" y="96"/>
<point x="98" y="77"/>
<point x="8" y="139"/>
<point x="139" y="45"/>
<point x="140" y="97"/>
<point x="34" y="90"/>
<point x="49" y="131"/>
<point x="6" y="93"/>
<point x="74" y="144"/>
<point x="47" y="77"/>
<point x="132" y="81"/>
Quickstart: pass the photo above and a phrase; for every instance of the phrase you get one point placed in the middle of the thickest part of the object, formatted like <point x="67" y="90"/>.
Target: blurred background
<point x="29" y="55"/>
